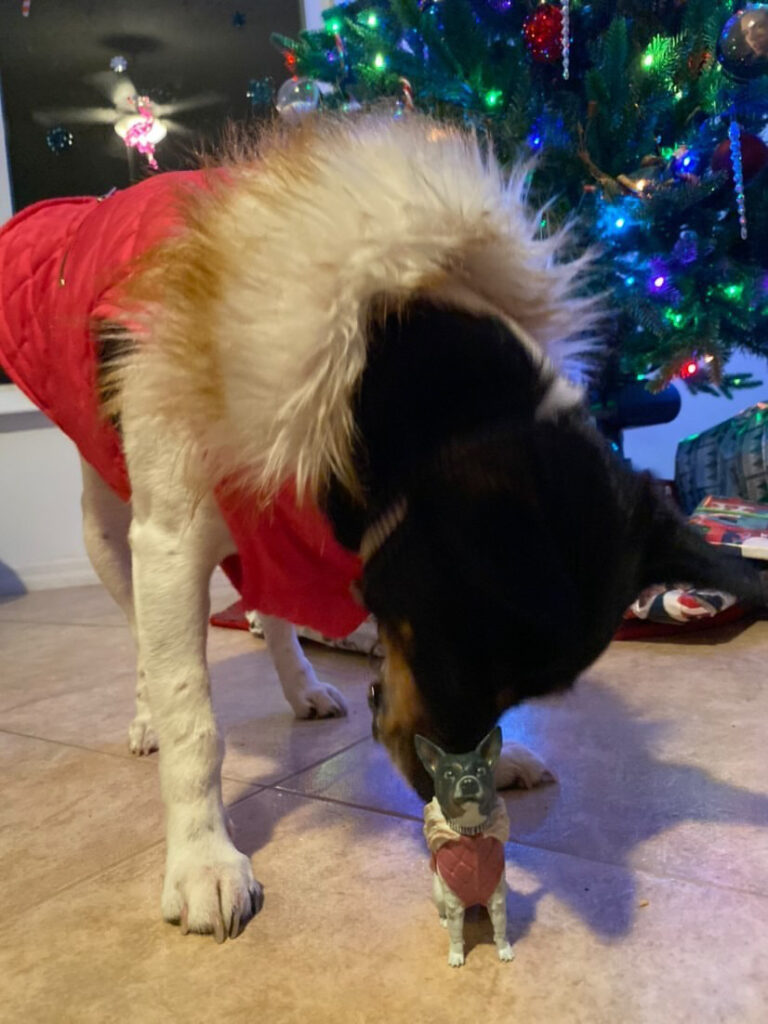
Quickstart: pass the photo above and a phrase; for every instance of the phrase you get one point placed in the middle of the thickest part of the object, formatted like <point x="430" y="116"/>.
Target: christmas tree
<point x="646" y="119"/>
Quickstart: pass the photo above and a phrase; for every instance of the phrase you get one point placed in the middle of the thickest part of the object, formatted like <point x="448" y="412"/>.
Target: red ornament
<point x="754" y="156"/>
<point x="543" y="34"/>
<point x="698" y="61"/>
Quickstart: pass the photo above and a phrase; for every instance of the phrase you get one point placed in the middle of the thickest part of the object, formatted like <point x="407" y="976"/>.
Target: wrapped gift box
<point x="730" y="459"/>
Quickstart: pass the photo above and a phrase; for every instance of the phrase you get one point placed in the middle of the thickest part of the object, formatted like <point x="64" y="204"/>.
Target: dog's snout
<point x="469" y="786"/>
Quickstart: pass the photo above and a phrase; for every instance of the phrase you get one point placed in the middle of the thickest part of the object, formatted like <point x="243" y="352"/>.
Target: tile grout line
<point x="52" y="622"/>
<point x="132" y="759"/>
<point x="633" y="870"/>
<point x="400" y="815"/>
<point x="260" y="790"/>
<point x="278" y="785"/>
<point x="64" y="693"/>
<point x="150" y="760"/>
<point x="88" y="878"/>
<point x="299" y="771"/>
<point x="116" y="864"/>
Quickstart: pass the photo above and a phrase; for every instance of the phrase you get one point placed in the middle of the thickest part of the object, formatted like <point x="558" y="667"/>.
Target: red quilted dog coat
<point x="61" y="266"/>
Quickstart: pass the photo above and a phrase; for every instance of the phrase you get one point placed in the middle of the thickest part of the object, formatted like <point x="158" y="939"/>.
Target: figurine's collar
<point x="437" y="831"/>
<point x="467" y="830"/>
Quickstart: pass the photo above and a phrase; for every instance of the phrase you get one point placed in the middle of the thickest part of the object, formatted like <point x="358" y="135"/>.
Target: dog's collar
<point x="381" y="529"/>
<point x="466" y="830"/>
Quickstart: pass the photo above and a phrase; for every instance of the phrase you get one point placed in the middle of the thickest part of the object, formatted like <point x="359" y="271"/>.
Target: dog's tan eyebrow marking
<point x="402" y="706"/>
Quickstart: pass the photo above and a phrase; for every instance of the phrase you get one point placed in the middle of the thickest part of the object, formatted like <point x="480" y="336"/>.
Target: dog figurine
<point x="466" y="826"/>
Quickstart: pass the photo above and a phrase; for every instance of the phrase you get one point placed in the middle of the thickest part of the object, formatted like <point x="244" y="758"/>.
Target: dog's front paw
<point x="505" y="951"/>
<point x="455" y="958"/>
<point x="518" y="768"/>
<point x="209" y="888"/>
<point x="318" y="700"/>
<point x="141" y="737"/>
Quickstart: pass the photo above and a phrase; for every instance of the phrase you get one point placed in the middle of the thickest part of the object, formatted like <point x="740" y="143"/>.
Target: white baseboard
<point x="68" y="572"/>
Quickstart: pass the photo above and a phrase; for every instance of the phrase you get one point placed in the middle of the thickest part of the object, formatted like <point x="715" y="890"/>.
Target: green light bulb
<point x="676" y="319"/>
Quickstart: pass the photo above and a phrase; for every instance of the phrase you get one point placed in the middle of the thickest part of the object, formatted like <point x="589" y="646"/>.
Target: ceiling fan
<point x="137" y="119"/>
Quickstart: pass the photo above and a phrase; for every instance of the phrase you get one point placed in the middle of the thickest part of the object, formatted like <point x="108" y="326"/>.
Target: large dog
<point x="359" y="319"/>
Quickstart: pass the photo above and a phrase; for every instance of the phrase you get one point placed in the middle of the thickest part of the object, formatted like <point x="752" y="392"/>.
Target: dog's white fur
<point x="305" y="236"/>
<point x="252" y="339"/>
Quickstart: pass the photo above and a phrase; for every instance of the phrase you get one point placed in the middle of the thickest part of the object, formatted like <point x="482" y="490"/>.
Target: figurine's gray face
<point x="464" y="783"/>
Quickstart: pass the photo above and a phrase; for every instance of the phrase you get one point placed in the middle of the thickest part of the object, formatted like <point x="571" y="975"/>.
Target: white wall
<point x="5" y="185"/>
<point x="40" y="535"/>
<point x="312" y="9"/>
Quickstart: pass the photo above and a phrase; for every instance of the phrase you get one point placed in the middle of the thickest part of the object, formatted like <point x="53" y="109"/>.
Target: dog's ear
<point x="429" y="753"/>
<point x="675" y="552"/>
<point x="490" y="747"/>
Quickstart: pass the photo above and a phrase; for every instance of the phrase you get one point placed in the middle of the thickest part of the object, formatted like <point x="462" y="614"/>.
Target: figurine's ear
<point x="490" y="748"/>
<point x="429" y="753"/>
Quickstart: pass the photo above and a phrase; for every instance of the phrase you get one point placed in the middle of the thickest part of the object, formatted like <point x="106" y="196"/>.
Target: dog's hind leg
<point x="308" y="697"/>
<point x="106" y="520"/>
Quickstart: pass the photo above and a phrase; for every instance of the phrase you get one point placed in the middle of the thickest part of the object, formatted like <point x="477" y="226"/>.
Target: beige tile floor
<point x="639" y="883"/>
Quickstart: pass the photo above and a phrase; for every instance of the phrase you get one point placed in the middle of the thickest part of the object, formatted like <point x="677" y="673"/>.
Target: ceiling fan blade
<point x="203" y="99"/>
<point x="74" y="115"/>
<point x="178" y="129"/>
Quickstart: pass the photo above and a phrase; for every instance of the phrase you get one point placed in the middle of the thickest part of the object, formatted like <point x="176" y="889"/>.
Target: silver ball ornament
<point x="297" y="97"/>
<point x="742" y="48"/>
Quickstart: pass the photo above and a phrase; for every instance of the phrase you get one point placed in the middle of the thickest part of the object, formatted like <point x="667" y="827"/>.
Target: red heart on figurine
<point x="471" y="867"/>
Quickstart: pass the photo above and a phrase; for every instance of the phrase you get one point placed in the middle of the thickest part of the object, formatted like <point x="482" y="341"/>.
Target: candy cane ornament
<point x="407" y="93"/>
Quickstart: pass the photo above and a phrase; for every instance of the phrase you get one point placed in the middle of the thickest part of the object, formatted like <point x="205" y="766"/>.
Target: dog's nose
<point x="469" y="786"/>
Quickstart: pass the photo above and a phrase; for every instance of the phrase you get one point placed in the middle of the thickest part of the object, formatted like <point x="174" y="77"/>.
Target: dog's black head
<point x="510" y="575"/>
<point x="464" y="784"/>
<point x="523" y="542"/>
